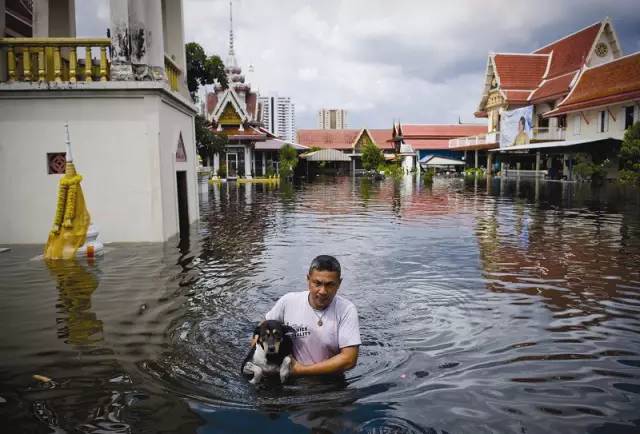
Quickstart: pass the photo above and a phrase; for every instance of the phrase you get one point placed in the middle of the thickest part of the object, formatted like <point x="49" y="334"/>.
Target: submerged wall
<point x="124" y="143"/>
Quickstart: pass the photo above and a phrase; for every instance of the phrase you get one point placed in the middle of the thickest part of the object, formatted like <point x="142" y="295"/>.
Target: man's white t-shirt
<point x="313" y="343"/>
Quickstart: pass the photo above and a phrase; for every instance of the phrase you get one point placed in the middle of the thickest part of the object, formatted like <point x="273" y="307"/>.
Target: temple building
<point x="419" y="144"/>
<point x="348" y="143"/>
<point x="539" y="81"/>
<point x="236" y="113"/>
<point x="130" y="116"/>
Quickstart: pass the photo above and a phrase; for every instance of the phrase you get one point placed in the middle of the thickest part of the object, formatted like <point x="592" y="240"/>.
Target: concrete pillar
<point x="147" y="44"/>
<point x="565" y="168"/>
<point x="3" y="57"/>
<point x="155" y="39"/>
<point x="537" y="162"/>
<point x="40" y="19"/>
<point x="264" y="164"/>
<point x="173" y="33"/>
<point x="62" y="18"/>
<point x="216" y="163"/>
<point x="120" y="41"/>
<point x="476" y="159"/>
<point x="247" y="162"/>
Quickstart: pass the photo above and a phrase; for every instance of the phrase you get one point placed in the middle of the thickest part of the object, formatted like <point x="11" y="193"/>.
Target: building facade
<point x="278" y="116"/>
<point x="541" y="80"/>
<point x="332" y="119"/>
<point x="130" y="117"/>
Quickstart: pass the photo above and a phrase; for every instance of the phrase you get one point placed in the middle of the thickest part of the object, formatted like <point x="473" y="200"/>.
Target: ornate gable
<point x="363" y="139"/>
<point x="230" y="110"/>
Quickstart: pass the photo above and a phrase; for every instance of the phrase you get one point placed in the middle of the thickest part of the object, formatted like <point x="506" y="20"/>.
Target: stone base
<point x="122" y="72"/>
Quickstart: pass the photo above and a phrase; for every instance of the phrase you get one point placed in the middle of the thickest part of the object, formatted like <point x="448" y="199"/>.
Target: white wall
<point x="115" y="138"/>
<point x="173" y="121"/>
<point x="592" y="129"/>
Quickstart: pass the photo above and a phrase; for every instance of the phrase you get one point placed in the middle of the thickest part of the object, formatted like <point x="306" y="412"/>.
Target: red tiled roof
<point x="341" y="139"/>
<point x="212" y="102"/>
<point x="418" y="144"/>
<point x="517" y="96"/>
<point x="616" y="81"/>
<point x="252" y="100"/>
<point x="383" y="138"/>
<point x="554" y="88"/>
<point x="520" y="71"/>
<point x="442" y="131"/>
<point x="570" y="53"/>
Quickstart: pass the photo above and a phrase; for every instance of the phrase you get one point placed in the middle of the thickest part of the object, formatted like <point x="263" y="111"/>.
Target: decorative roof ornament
<point x="231" y="58"/>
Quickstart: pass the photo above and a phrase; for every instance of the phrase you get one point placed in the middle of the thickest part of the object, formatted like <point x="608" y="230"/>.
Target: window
<point x="56" y="163"/>
<point x="577" y="119"/>
<point x="604" y="121"/>
<point x="628" y="117"/>
<point x="543" y="122"/>
<point x="562" y="121"/>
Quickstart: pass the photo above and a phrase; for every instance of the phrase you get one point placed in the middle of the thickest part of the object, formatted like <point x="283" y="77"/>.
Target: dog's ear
<point x="256" y="331"/>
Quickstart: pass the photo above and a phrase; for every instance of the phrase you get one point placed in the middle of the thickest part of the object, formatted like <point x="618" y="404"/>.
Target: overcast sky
<point x="383" y="60"/>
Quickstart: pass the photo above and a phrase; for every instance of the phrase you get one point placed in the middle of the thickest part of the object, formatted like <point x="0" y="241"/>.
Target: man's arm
<point x="343" y="361"/>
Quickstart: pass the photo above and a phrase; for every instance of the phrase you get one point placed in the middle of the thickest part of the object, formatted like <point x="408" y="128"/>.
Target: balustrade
<point x="173" y="72"/>
<point x="55" y="59"/>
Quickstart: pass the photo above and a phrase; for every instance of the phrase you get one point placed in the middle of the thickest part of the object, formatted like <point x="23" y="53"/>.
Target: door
<point x="232" y="165"/>
<point x="183" y="202"/>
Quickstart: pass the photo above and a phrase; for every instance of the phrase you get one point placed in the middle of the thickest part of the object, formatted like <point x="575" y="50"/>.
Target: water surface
<point x="497" y="306"/>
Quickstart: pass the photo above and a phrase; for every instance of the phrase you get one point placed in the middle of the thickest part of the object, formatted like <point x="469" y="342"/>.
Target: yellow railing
<point x="173" y="72"/>
<point x="55" y="59"/>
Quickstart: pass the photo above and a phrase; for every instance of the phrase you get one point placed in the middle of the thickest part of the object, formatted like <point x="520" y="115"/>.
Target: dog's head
<point x="270" y="334"/>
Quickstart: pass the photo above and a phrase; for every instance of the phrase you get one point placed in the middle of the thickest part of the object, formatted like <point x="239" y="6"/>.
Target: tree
<point x="207" y="142"/>
<point x="288" y="160"/>
<point x="372" y="156"/>
<point x="201" y="69"/>
<point x="630" y="156"/>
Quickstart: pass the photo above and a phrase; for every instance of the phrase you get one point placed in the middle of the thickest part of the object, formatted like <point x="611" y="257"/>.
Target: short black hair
<point x="325" y="263"/>
<point x="523" y="120"/>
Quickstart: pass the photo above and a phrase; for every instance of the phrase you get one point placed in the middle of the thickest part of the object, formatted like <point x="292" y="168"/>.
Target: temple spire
<point x="231" y="59"/>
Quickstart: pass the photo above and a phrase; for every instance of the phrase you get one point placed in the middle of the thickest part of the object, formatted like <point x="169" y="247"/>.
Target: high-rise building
<point x="332" y="119"/>
<point x="278" y="115"/>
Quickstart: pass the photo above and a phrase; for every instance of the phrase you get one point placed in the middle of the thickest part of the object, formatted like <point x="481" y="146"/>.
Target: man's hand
<point x="343" y="361"/>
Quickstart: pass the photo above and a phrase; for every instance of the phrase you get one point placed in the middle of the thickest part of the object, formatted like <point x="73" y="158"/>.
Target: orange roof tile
<point x="341" y="139"/>
<point x="442" y="131"/>
<point x="554" y="88"/>
<point x="570" y="52"/>
<point x="520" y="71"/>
<point x="616" y="81"/>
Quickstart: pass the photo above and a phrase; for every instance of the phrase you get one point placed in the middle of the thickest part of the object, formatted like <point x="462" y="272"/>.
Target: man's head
<point x="324" y="279"/>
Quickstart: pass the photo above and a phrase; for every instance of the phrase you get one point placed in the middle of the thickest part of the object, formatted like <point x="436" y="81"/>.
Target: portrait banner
<point x="515" y="127"/>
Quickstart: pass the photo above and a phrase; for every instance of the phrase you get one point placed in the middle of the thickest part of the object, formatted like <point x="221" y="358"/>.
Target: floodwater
<point x="497" y="306"/>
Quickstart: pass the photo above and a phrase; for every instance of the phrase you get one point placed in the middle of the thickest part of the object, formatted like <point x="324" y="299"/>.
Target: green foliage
<point x="428" y="175"/>
<point x="208" y="143"/>
<point x="630" y="156"/>
<point x="270" y="173"/>
<point x="587" y="169"/>
<point x="288" y="160"/>
<point x="392" y="169"/>
<point x="474" y="171"/>
<point x="201" y="69"/>
<point x="222" y="171"/>
<point x="372" y="156"/>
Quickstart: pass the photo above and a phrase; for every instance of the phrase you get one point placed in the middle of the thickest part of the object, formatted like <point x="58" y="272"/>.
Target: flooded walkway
<point x="484" y="307"/>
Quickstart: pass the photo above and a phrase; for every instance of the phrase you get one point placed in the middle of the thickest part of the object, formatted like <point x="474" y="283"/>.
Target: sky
<point x="413" y="61"/>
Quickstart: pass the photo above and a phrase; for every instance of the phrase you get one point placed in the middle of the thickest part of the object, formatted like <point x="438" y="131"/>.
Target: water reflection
<point x="76" y="284"/>
<point x="486" y="305"/>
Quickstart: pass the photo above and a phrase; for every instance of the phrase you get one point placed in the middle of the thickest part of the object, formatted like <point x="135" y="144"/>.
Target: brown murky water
<point x="484" y="307"/>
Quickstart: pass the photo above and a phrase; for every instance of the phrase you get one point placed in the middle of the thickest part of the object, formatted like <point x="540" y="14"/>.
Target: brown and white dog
<point x="272" y="352"/>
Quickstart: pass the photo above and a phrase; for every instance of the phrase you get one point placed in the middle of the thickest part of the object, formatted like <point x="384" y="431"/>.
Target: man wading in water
<point x="327" y="329"/>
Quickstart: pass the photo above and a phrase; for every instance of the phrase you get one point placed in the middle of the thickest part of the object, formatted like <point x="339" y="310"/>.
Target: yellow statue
<point x="71" y="223"/>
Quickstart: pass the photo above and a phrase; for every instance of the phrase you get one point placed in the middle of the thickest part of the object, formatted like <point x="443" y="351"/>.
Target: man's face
<point x="323" y="286"/>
